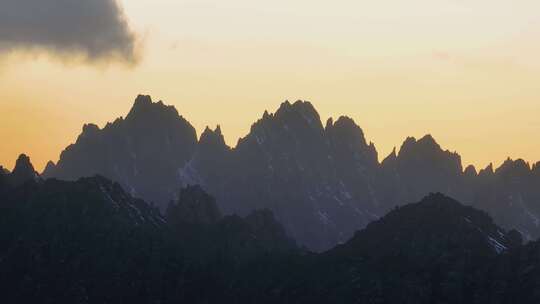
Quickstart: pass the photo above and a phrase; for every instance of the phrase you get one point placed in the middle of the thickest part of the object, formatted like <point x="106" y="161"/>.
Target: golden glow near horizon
<point x="465" y="71"/>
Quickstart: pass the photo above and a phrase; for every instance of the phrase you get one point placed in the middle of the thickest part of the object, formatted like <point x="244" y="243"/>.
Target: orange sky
<point x="465" y="71"/>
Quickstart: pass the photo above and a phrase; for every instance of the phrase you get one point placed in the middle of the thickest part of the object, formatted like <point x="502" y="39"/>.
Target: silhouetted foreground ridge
<point x="88" y="241"/>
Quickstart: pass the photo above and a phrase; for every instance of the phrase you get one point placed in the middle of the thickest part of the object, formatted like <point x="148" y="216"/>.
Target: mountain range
<point x="322" y="182"/>
<point x="89" y="241"/>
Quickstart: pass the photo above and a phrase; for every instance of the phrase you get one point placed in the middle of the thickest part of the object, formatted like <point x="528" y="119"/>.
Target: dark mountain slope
<point x="197" y="221"/>
<point x="143" y="152"/>
<point x="434" y="251"/>
<point x="84" y="241"/>
<point x="88" y="241"/>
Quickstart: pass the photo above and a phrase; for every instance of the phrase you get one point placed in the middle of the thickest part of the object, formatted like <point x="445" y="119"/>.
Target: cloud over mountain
<point x="94" y="29"/>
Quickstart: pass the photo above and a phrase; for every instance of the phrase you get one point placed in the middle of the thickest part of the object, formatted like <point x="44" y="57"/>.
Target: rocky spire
<point x="487" y="171"/>
<point x="212" y="137"/>
<point x="24" y="171"/>
<point x="470" y="171"/>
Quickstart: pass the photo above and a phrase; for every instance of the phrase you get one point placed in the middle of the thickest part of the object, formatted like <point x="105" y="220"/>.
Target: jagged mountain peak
<point x="487" y="171"/>
<point x="212" y="137"/>
<point x="90" y="128"/>
<point x="426" y="144"/>
<point x="24" y="170"/>
<point x="510" y="166"/>
<point x="428" y="140"/>
<point x="302" y="109"/>
<point x="143" y="152"/>
<point x="346" y="135"/>
<point x="427" y="149"/>
<point x="145" y="108"/>
<point x="23" y="163"/>
<point x="291" y="123"/>
<point x="408" y="146"/>
<point x="142" y="101"/>
<point x="345" y="125"/>
<point x="299" y="105"/>
<point x="89" y="131"/>
<point x="390" y="161"/>
<point x="216" y="131"/>
<point x="49" y="168"/>
<point x="329" y="123"/>
<point x="470" y="171"/>
<point x="345" y="122"/>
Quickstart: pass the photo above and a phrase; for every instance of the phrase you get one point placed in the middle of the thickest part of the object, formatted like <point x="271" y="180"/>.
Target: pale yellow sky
<point x="465" y="71"/>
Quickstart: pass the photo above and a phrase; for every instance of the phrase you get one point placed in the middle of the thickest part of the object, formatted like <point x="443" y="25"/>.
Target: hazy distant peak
<point x="49" y="168"/>
<point x="303" y="108"/>
<point x="390" y="159"/>
<point x="345" y="122"/>
<point x="142" y="100"/>
<point x="213" y="137"/>
<point x="470" y="171"/>
<point x="347" y="129"/>
<point x="428" y="140"/>
<point x="408" y="145"/>
<point x="90" y="129"/>
<point x="487" y="171"/>
<point x="144" y="107"/>
<point x="424" y="144"/>
<point x="329" y="123"/>
<point x="514" y="167"/>
<point x="299" y="120"/>
<point x="285" y="104"/>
